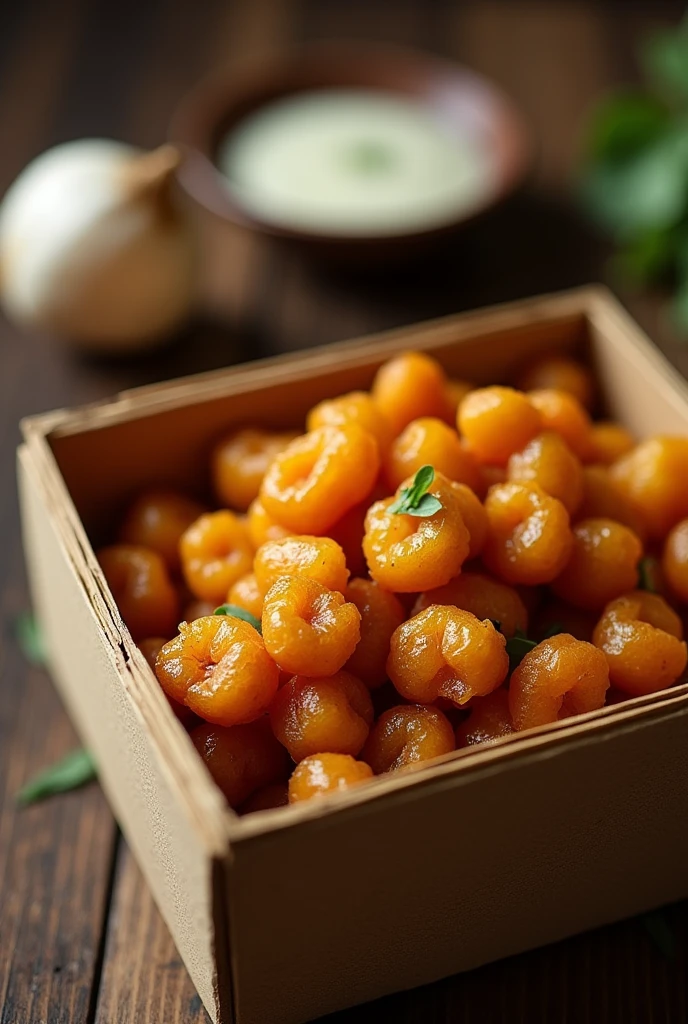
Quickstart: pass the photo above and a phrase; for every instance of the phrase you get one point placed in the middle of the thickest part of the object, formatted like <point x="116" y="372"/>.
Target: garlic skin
<point x="95" y="249"/>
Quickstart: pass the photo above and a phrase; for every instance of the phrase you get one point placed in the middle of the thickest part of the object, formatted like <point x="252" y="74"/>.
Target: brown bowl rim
<point x="225" y="95"/>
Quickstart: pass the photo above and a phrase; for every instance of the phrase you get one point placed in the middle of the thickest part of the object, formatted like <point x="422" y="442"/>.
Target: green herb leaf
<point x="427" y="506"/>
<point x="517" y="646"/>
<point x="239" y="613"/>
<point x="645" y="192"/>
<point x="646" y="568"/>
<point x="414" y="500"/>
<point x="554" y="630"/>
<point x="623" y="125"/>
<point x="658" y="928"/>
<point x="74" y="770"/>
<point x="29" y="638"/>
<point x="423" y="479"/>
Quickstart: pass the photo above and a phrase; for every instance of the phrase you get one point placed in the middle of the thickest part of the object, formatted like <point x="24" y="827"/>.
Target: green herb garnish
<point x="634" y="182"/>
<point x="74" y="770"/>
<point x="239" y="613"/>
<point x="30" y="638"/>
<point x="517" y="646"/>
<point x="646" y="570"/>
<point x="415" y="500"/>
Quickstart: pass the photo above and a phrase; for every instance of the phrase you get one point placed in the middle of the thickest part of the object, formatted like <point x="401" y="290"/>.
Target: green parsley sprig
<point x="239" y="613"/>
<point x="415" y="500"/>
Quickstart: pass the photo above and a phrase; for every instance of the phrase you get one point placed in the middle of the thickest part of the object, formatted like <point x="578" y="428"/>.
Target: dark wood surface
<point x="80" y="939"/>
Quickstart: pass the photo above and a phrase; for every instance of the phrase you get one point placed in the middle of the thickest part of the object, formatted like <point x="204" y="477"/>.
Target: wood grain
<point x="80" y="939"/>
<point x="143" y="976"/>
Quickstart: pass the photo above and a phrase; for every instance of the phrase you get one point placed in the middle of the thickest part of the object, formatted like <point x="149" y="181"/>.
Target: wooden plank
<point x="143" y="976"/>
<point x="55" y="858"/>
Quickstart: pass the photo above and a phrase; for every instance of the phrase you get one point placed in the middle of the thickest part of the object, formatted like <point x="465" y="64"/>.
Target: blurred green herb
<point x="239" y="613"/>
<point x="415" y="500"/>
<point x="635" y="182"/>
<point x="520" y="644"/>
<point x="74" y="770"/>
<point x="29" y="638"/>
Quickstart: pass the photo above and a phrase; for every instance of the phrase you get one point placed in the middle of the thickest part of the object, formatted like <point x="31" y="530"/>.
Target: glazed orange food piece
<point x="561" y="413"/>
<point x="642" y="640"/>
<point x="558" y="373"/>
<point x="246" y="593"/>
<point x="610" y="441"/>
<point x="446" y="652"/>
<point x="141" y="586"/>
<point x="312" y="714"/>
<point x="381" y="613"/>
<point x="322" y="774"/>
<point x="261" y="526"/>
<point x="675" y="560"/>
<point x="529" y="537"/>
<point x="603" y="564"/>
<point x="315" y="558"/>
<point x="308" y="629"/>
<point x="604" y="499"/>
<point x="239" y="463"/>
<point x="473" y="515"/>
<point x="218" y="667"/>
<point x="215" y="551"/>
<point x="357" y="407"/>
<point x="410" y="386"/>
<point x="319" y="477"/>
<point x="265" y="799"/>
<point x="484" y="597"/>
<point x="549" y="462"/>
<point x="489" y="720"/>
<point x="407" y="553"/>
<point x="157" y="519"/>
<point x="497" y="421"/>
<point x="430" y="441"/>
<point x="560" y="677"/>
<point x="405" y="736"/>
<point x="242" y="759"/>
<point x="150" y="648"/>
<point x="653" y="475"/>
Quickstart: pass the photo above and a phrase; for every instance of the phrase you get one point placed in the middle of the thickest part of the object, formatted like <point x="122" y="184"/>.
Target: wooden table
<point x="80" y="939"/>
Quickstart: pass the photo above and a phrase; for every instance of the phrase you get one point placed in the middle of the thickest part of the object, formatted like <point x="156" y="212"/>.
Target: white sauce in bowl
<point x="354" y="162"/>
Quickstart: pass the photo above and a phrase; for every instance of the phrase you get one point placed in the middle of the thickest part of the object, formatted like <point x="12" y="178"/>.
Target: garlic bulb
<point x="93" y="247"/>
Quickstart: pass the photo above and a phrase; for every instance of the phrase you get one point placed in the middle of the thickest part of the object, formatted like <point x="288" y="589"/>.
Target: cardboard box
<point x="288" y="914"/>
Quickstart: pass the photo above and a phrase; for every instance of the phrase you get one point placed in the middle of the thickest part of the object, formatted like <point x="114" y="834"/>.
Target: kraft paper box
<point x="284" y="915"/>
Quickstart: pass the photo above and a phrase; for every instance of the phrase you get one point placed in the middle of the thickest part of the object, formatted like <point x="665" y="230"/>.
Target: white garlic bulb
<point x="94" y="248"/>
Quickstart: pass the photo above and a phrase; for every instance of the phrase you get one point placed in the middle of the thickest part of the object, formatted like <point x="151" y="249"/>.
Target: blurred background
<point x="78" y="68"/>
<point x="119" y="69"/>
